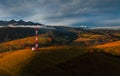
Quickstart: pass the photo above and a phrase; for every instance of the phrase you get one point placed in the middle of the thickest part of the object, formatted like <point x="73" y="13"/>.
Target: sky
<point x="93" y="13"/>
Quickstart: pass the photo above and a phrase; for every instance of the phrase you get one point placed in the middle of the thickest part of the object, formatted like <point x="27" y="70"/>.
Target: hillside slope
<point x="22" y="43"/>
<point x="107" y="45"/>
<point x="14" y="61"/>
<point x="94" y="64"/>
<point x="112" y="47"/>
<point x="27" y="62"/>
<point x="58" y="61"/>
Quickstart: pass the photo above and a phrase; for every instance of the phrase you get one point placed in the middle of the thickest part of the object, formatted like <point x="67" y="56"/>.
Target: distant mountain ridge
<point x="20" y="22"/>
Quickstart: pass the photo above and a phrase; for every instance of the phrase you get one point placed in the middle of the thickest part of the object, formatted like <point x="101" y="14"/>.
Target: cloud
<point x="63" y="12"/>
<point x="3" y="13"/>
<point x="107" y="27"/>
<point x="111" y="22"/>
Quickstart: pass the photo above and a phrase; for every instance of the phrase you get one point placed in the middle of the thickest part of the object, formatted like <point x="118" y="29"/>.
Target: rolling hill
<point x="14" y="61"/>
<point x="91" y="39"/>
<point x="58" y="61"/>
<point x="27" y="62"/>
<point x="111" y="47"/>
<point x="23" y="43"/>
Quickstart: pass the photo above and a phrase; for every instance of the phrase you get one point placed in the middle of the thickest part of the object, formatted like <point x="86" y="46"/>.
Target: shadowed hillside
<point x="94" y="64"/>
<point x="9" y="33"/>
<point x="27" y="62"/>
<point x="69" y="63"/>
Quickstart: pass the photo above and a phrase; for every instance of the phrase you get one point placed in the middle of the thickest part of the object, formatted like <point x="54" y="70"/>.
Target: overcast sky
<point x="63" y="12"/>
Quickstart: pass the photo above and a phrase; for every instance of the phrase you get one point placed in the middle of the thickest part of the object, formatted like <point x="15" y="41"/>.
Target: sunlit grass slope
<point x="112" y="47"/>
<point x="111" y="44"/>
<point x="90" y="39"/>
<point x="21" y="43"/>
<point x="28" y="63"/>
<point x="82" y="39"/>
<point x="49" y="57"/>
<point x="12" y="62"/>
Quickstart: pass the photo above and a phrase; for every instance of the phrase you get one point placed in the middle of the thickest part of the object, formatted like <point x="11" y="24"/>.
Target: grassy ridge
<point x="112" y="48"/>
<point x="107" y="45"/>
<point x="50" y="57"/>
<point x="28" y="63"/>
<point x="56" y="60"/>
<point x="21" y="43"/>
<point x="90" y="39"/>
<point x="13" y="62"/>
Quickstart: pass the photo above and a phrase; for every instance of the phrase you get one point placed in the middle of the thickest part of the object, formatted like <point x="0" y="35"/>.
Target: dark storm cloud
<point x="66" y="12"/>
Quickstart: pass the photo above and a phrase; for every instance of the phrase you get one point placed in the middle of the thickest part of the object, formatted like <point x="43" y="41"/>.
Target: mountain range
<point x="20" y="22"/>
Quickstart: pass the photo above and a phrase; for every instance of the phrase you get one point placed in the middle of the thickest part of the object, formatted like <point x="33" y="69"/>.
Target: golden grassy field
<point x="92" y="36"/>
<point x="82" y="39"/>
<point x="89" y="37"/>
<point x="23" y="62"/>
<point x="112" y="47"/>
<point x="21" y="43"/>
<point x="14" y="61"/>
<point x="108" y="45"/>
<point x="26" y="62"/>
